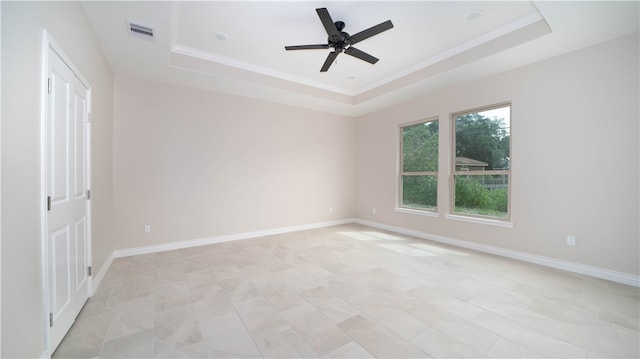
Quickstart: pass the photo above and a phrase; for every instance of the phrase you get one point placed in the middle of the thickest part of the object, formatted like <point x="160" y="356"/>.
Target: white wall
<point x="195" y="164"/>
<point x="23" y="317"/>
<point x="575" y="157"/>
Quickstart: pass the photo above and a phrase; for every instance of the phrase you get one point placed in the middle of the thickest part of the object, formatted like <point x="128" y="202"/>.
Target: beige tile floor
<point x="349" y="292"/>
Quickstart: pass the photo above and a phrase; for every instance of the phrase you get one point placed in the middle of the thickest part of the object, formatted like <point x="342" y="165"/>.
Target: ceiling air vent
<point x="138" y="30"/>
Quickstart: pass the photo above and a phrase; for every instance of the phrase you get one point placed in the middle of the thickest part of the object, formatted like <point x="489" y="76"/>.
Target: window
<point x="418" y="180"/>
<point x="482" y="162"/>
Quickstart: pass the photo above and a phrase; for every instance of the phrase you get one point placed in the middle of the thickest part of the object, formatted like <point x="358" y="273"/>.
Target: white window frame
<point x="400" y="207"/>
<point x="477" y="218"/>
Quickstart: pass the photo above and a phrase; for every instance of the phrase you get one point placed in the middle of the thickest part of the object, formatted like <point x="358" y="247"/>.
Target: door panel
<point x="61" y="247"/>
<point x="79" y="143"/>
<point x="60" y="283"/>
<point x="59" y="138"/>
<point x="66" y="183"/>
<point x="81" y="280"/>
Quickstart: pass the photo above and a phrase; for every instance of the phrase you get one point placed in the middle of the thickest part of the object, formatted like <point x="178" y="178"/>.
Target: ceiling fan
<point x="341" y="41"/>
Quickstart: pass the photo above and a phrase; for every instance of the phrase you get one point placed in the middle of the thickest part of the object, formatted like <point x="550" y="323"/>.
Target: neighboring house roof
<point x="465" y="161"/>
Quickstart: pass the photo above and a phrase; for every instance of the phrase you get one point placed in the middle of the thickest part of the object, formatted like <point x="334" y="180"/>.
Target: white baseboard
<point x="620" y="277"/>
<point x="226" y="238"/>
<point x="97" y="279"/>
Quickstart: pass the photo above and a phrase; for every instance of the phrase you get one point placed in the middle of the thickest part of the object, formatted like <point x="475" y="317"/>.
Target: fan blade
<point x="361" y="55"/>
<point x="365" y="34"/>
<point x="307" y="47"/>
<point x="332" y="56"/>
<point x="329" y="26"/>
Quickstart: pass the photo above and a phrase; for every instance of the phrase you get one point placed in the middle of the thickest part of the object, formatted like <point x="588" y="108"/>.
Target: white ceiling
<point x="432" y="45"/>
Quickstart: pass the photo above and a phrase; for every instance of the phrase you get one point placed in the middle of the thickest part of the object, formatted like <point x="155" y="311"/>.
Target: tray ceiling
<point x="238" y="47"/>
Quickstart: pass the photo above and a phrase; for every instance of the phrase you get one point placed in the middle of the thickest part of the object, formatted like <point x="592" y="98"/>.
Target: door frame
<point x="48" y="43"/>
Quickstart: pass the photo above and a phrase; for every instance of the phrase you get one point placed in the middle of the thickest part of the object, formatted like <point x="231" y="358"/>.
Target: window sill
<point x="417" y="212"/>
<point x="491" y="222"/>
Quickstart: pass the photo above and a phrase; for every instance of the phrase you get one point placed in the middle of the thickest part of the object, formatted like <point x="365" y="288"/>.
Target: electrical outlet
<point x="147" y="228"/>
<point x="330" y="210"/>
<point x="571" y="240"/>
<point x="373" y="210"/>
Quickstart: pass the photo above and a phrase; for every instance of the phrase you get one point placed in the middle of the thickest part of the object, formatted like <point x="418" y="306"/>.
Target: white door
<point x="67" y="227"/>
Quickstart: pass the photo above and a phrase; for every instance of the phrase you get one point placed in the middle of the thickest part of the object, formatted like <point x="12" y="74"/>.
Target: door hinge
<point x="88" y="194"/>
<point x="51" y="320"/>
<point x="49" y="85"/>
<point x="48" y="203"/>
<point x="89" y="271"/>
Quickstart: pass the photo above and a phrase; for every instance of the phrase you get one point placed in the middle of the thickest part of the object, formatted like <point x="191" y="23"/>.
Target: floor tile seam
<point x="191" y="295"/>
<point x="97" y="313"/>
<point x="466" y="343"/>
<point x="155" y="339"/>
<point x="448" y="311"/>
<point x="543" y="316"/>
<point x="563" y="325"/>
<point x="519" y="306"/>
<point x="487" y="284"/>
<point x="573" y="304"/>
<point x="470" y="321"/>
<point x="592" y="321"/>
<point x="636" y="330"/>
<point x="575" y="342"/>
<point x="298" y="292"/>
<point x="382" y="325"/>
<point x="70" y="342"/>
<point x="246" y="328"/>
<point x="616" y="308"/>
<point x="364" y="346"/>
<point x="500" y="336"/>
<point x="137" y="342"/>
<point x="530" y="329"/>
<point x="335" y="324"/>
<point x="539" y="355"/>
<point x="124" y="335"/>
<point x="621" y="327"/>
<point x="458" y="341"/>
<point x="111" y="323"/>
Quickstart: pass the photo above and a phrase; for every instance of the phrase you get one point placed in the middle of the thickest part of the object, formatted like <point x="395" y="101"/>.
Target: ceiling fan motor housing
<point x="341" y="41"/>
<point x="338" y="42"/>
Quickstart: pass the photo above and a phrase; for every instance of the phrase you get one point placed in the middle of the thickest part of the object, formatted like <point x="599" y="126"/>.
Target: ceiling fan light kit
<point x="341" y="41"/>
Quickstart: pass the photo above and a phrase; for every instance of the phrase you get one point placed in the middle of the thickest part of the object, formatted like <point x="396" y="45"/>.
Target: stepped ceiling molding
<point x="237" y="47"/>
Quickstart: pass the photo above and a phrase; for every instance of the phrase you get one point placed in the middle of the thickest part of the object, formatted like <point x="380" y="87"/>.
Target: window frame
<point x="400" y="206"/>
<point x="470" y="217"/>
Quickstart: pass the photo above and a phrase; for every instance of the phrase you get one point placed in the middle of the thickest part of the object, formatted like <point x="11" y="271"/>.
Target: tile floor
<point x="349" y="292"/>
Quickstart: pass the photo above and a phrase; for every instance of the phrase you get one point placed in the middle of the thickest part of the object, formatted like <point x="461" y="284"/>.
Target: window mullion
<point x="431" y="173"/>
<point x="481" y="173"/>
